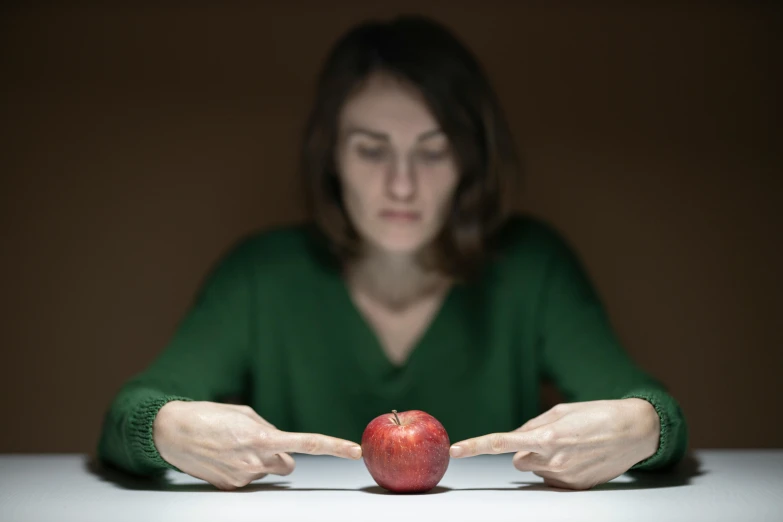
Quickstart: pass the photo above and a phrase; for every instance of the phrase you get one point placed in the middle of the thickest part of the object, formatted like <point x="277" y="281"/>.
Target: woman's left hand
<point x="576" y="445"/>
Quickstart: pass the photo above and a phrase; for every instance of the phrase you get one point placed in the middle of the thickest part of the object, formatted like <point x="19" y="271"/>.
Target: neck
<point x="395" y="281"/>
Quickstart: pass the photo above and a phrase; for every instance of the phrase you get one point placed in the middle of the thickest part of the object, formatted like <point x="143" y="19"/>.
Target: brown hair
<point x="429" y="57"/>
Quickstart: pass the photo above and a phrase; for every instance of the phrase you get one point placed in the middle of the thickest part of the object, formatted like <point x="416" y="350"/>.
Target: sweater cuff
<point x="670" y="419"/>
<point x="139" y="433"/>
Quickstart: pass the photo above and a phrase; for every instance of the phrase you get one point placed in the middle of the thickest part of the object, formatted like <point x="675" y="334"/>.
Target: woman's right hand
<point x="230" y="446"/>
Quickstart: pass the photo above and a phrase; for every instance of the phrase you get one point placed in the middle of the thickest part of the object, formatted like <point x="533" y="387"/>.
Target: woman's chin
<point x="399" y="247"/>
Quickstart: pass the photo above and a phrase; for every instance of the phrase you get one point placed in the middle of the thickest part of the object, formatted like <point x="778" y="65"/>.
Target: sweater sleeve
<point x="583" y="357"/>
<point x="204" y="360"/>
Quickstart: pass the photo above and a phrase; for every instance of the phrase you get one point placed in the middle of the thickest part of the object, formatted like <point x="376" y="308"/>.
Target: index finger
<point x="496" y="443"/>
<point x="314" y="444"/>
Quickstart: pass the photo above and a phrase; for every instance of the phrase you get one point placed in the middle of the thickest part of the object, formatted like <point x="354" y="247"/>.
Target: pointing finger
<point x="313" y="444"/>
<point x="496" y="443"/>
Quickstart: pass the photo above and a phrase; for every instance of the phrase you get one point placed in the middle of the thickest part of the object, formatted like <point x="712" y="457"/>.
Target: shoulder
<point x="532" y="238"/>
<point x="529" y="250"/>
<point x="275" y="244"/>
<point x="276" y="251"/>
<point x="534" y="252"/>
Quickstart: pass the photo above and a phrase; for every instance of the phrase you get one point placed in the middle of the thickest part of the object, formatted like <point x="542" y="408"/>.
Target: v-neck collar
<point x="357" y="340"/>
<point x="371" y="350"/>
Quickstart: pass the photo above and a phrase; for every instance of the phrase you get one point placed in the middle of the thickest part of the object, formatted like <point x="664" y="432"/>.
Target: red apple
<point x="406" y="452"/>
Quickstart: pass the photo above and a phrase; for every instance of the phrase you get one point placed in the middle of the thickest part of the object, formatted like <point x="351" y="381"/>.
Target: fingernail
<point x="456" y="451"/>
<point x="356" y="452"/>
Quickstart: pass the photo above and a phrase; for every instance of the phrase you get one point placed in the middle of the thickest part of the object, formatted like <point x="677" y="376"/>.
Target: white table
<point x="720" y="485"/>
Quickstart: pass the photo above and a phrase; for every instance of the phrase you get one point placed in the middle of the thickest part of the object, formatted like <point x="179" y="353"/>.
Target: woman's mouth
<point x="400" y="216"/>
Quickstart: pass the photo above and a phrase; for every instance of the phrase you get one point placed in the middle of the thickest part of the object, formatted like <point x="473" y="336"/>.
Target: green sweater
<point x="274" y="325"/>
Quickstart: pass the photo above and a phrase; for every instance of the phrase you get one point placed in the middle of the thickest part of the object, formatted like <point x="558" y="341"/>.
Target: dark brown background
<point x="139" y="142"/>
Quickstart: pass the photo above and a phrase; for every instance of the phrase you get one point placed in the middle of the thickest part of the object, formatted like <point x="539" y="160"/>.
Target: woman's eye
<point x="372" y="153"/>
<point x="432" y="156"/>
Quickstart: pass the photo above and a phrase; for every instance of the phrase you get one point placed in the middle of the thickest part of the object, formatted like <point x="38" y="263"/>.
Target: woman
<point x="413" y="290"/>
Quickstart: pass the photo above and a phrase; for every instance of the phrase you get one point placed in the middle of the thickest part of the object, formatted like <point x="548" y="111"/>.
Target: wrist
<point x="162" y="425"/>
<point x="647" y="426"/>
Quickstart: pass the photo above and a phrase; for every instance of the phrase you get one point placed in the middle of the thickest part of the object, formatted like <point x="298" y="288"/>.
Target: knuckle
<point x="312" y="445"/>
<point x="549" y="438"/>
<point x="264" y="438"/>
<point x="497" y="443"/>
<point x="558" y="463"/>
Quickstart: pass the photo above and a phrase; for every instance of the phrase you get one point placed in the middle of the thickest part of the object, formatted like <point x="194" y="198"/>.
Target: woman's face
<point x="396" y="167"/>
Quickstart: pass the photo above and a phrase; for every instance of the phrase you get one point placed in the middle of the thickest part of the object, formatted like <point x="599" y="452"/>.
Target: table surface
<point x="714" y="485"/>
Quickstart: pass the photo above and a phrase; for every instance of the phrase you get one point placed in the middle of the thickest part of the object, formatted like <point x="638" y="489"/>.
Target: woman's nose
<point x="401" y="181"/>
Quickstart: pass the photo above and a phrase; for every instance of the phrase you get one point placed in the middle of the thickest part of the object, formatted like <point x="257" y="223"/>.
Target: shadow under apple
<point x="377" y="490"/>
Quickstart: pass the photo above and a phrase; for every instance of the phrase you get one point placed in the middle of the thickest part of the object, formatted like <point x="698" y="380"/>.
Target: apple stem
<point x="396" y="418"/>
